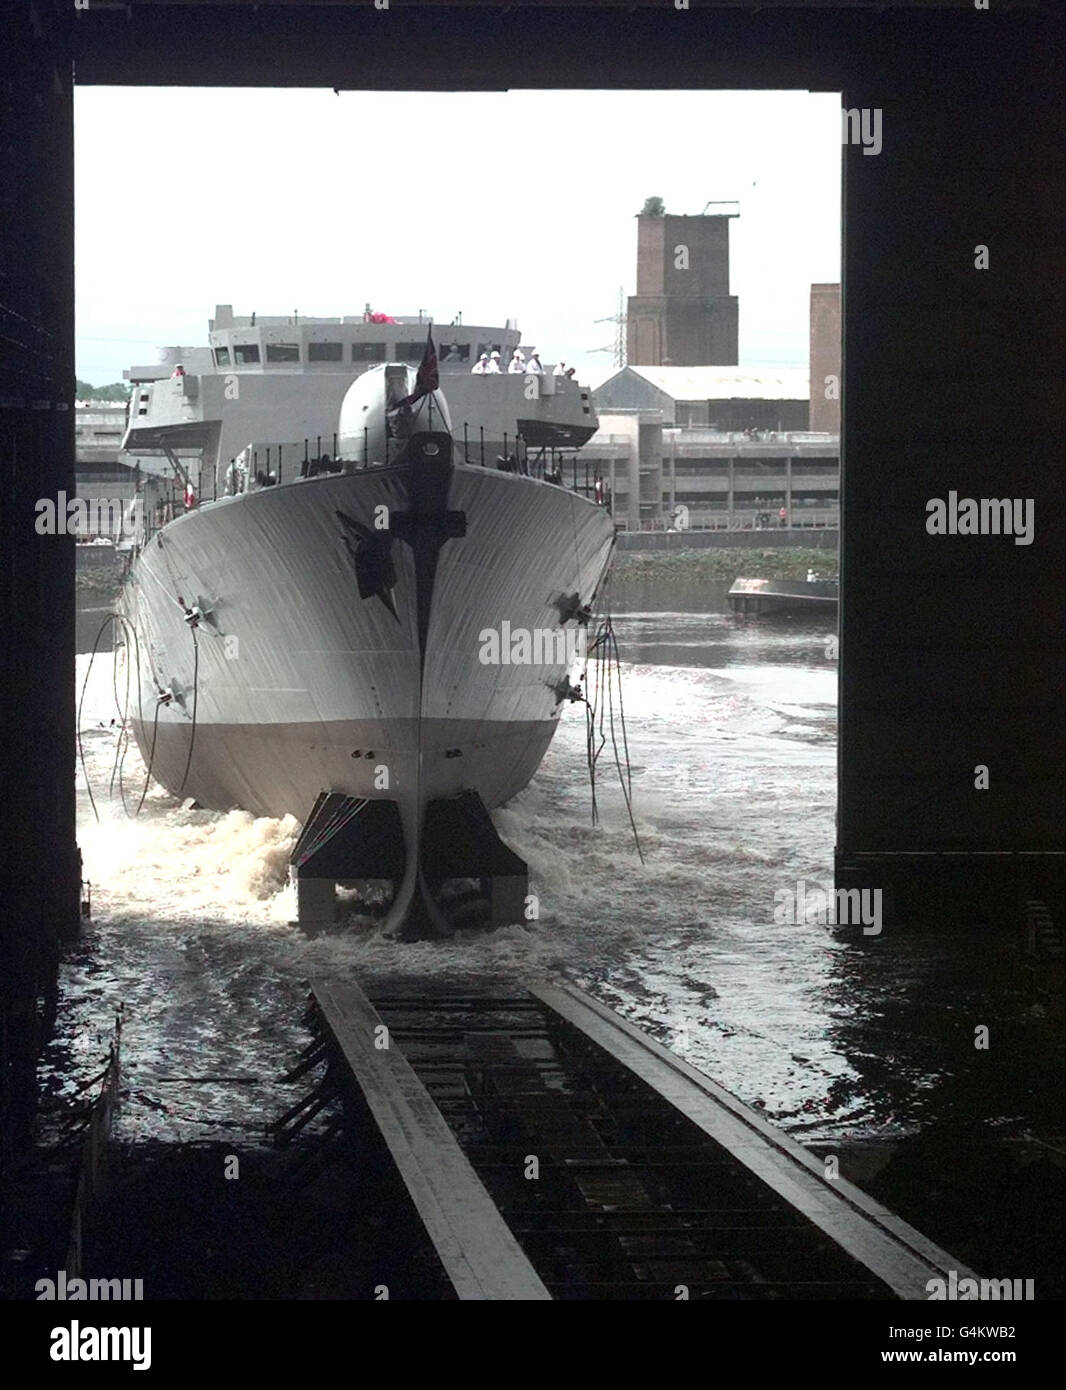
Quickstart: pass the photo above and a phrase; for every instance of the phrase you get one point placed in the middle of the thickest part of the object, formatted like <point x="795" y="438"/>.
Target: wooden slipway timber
<point x="554" y="1150"/>
<point x="480" y="1255"/>
<point x="890" y="1249"/>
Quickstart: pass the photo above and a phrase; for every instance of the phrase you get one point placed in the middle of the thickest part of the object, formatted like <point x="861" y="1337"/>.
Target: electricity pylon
<point x="618" y="348"/>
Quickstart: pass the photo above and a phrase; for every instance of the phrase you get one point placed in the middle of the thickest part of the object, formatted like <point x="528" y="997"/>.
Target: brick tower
<point x="682" y="313"/>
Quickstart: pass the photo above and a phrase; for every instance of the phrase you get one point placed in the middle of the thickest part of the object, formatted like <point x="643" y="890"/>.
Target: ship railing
<point x="166" y="509"/>
<point x="580" y="473"/>
<point x="270" y="465"/>
<point x="261" y="465"/>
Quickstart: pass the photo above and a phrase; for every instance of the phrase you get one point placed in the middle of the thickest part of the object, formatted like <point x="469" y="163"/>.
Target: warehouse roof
<point x="723" y="383"/>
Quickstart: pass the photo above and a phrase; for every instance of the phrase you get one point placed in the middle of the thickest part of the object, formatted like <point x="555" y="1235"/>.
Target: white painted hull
<point x="299" y="685"/>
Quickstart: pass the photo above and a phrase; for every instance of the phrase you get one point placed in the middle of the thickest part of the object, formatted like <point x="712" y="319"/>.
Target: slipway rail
<point x="554" y="1151"/>
<point x="479" y="1254"/>
<point x="892" y="1251"/>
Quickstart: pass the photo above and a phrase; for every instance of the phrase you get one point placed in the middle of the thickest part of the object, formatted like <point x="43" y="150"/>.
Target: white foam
<point x="728" y="804"/>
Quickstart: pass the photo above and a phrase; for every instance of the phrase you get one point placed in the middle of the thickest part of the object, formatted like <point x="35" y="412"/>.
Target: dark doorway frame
<point x="953" y="654"/>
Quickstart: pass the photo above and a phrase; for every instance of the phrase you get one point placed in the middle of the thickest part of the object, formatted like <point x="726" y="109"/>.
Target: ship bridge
<point x="258" y="343"/>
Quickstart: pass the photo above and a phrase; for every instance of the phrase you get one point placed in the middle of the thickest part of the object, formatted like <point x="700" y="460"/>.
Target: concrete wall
<point x="97" y="557"/>
<point x="650" y="448"/>
<point x="822" y="538"/>
<point x="117" y="508"/>
<point x="98" y="431"/>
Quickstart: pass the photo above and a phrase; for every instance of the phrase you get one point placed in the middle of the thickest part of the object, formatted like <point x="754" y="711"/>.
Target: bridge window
<point x="410" y="352"/>
<point x="243" y="353"/>
<point x="222" y="357"/>
<point x="283" y="352"/>
<point x="455" y="352"/>
<point x="369" y="352"/>
<point x="325" y="352"/>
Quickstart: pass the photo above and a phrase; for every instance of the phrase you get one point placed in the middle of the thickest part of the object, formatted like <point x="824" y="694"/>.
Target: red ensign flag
<point x="428" y="378"/>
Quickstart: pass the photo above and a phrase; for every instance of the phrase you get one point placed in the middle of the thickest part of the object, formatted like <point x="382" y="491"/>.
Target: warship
<point x="316" y="639"/>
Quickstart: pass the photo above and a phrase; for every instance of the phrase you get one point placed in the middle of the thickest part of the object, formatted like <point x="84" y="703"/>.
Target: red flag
<point x="428" y="378"/>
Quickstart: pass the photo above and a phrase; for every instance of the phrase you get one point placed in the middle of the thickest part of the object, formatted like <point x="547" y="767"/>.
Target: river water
<point x="731" y="725"/>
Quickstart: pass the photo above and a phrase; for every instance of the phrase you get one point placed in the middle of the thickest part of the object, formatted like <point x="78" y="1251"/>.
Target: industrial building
<point x="825" y="358"/>
<point x="732" y="445"/>
<point x="715" y="398"/>
<point x="682" y="314"/>
<point x="116" y="492"/>
<point x="725" y="479"/>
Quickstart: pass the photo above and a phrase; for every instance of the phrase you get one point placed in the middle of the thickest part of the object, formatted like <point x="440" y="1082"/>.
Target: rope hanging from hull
<point x="603" y="691"/>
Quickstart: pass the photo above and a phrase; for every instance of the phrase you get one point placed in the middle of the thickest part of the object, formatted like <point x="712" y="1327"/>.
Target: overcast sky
<point x="502" y="205"/>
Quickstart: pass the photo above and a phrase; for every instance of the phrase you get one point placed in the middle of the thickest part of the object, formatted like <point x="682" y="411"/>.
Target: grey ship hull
<point x="296" y="682"/>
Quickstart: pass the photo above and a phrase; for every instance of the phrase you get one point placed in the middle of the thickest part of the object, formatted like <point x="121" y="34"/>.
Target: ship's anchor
<point x="201" y="611"/>
<point x="564" y="690"/>
<point x="570" y="606"/>
<point x="371" y="555"/>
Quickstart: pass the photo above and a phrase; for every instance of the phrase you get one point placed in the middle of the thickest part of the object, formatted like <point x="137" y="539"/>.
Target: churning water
<point x="732" y="738"/>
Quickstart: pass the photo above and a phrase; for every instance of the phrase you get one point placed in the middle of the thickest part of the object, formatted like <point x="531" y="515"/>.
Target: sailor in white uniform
<point x="493" y="369"/>
<point x="481" y="366"/>
<point x="517" y="365"/>
<point x="533" y="366"/>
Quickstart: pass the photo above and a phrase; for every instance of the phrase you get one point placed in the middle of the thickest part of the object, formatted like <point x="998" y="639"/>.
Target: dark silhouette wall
<point x="41" y="871"/>
<point x="953" y="648"/>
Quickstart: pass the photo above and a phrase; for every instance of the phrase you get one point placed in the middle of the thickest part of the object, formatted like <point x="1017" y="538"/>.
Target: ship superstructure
<point x="284" y="379"/>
